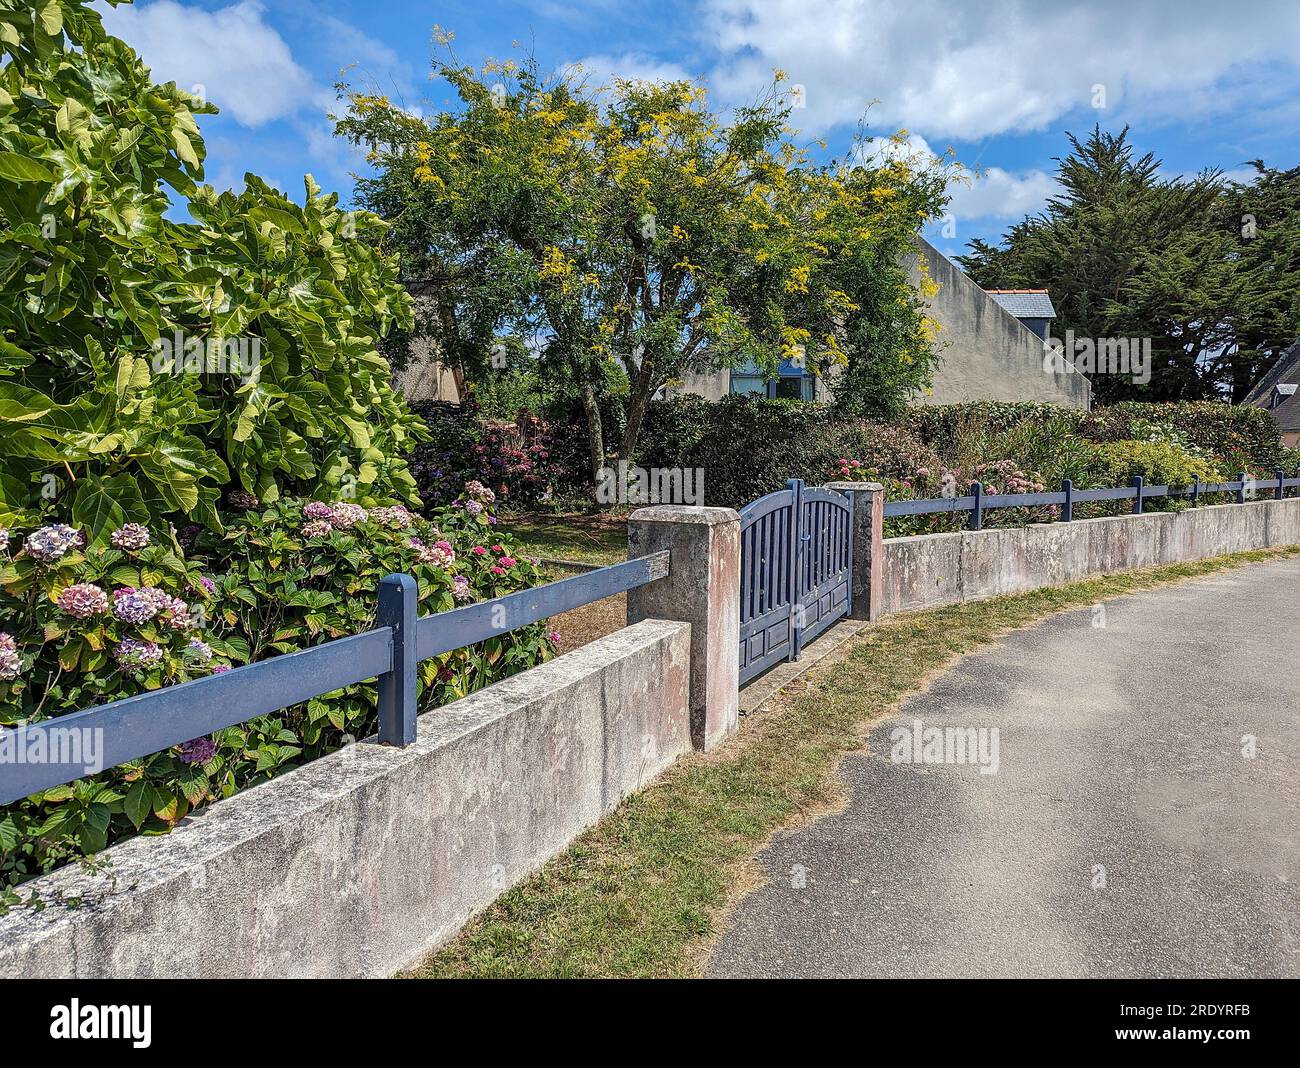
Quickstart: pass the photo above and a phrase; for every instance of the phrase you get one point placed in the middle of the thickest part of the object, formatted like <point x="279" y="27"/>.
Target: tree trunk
<point x="638" y="399"/>
<point x="595" y="435"/>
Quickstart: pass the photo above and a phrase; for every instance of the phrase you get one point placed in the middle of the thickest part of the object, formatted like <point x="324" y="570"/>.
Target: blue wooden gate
<point x="796" y="563"/>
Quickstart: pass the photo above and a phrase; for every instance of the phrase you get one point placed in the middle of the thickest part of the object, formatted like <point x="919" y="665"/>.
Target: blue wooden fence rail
<point x="151" y="722"/>
<point x="977" y="502"/>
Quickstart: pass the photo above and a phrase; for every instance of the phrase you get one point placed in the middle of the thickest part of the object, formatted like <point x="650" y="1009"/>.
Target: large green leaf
<point x="19" y="168"/>
<point x="102" y="505"/>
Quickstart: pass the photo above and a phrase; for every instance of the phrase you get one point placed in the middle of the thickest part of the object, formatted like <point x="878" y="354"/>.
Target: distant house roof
<point x="1276" y="391"/>
<point x="1025" y="303"/>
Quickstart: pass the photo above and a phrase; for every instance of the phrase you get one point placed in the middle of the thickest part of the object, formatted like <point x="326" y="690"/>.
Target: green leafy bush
<point x="748" y="447"/>
<point x="1236" y="438"/>
<point x="148" y="365"/>
<point x="285" y="576"/>
<point x="1159" y="463"/>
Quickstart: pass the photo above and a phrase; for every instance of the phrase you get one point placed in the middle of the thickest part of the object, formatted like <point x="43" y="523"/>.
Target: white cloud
<point x="998" y="194"/>
<point x="963" y="70"/>
<point x="632" y="66"/>
<point x="990" y="193"/>
<point x="241" y="62"/>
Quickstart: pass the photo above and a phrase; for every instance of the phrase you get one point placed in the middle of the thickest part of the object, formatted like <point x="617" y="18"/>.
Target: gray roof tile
<point x="1025" y="303"/>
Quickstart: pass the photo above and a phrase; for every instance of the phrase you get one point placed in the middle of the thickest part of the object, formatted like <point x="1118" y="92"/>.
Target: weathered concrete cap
<point x="684" y="513"/>
<point x="839" y="487"/>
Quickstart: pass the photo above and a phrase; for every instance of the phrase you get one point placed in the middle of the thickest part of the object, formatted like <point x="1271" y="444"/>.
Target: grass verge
<point x="643" y="892"/>
<point x="586" y="539"/>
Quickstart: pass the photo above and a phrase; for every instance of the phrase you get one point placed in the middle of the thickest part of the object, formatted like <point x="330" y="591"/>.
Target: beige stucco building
<point x="986" y="351"/>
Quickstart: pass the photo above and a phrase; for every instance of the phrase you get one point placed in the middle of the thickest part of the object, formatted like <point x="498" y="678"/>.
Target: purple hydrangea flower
<point x="136" y="655"/>
<point x="4" y="540"/>
<point x="131" y="537"/>
<point x="318" y="510"/>
<point x="84" y="600"/>
<point x="136" y="606"/>
<point x="221" y="669"/>
<point x="473" y="508"/>
<point x="198" y="651"/>
<point x="460" y="588"/>
<point x="10" y="662"/>
<point x="480" y="492"/>
<point x="198" y="750"/>
<point x="208" y="584"/>
<point x="50" y="543"/>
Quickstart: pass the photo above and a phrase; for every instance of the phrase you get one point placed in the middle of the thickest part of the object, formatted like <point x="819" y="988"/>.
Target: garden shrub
<point x="147" y="365"/>
<point x="523" y="461"/>
<point x="282" y="577"/>
<point x="1236" y="437"/>
<point x="748" y="447"/>
<point x="1159" y="463"/>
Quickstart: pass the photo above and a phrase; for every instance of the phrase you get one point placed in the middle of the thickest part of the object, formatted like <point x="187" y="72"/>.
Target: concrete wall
<point x="930" y="570"/>
<point x="986" y="352"/>
<point x="359" y="863"/>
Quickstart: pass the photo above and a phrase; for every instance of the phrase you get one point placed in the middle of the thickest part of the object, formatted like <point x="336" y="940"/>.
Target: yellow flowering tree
<point x="627" y="232"/>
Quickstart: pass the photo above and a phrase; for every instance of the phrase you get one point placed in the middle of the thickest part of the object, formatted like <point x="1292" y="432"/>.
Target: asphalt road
<point x="1126" y="832"/>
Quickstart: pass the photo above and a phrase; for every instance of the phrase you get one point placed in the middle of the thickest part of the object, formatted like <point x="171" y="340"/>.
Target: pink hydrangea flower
<point x="347" y="515"/>
<point x="508" y="561"/>
<point x="84" y="600"/>
<point x="10" y="661"/>
<point x="478" y="550"/>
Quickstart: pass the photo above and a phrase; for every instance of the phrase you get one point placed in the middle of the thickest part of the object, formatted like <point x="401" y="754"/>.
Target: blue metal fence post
<point x="1137" y="497"/>
<point x="1281" y="478"/>
<point x="977" y="512"/>
<point x="398" y="611"/>
<point x="1067" y="509"/>
<point x="1241" y="487"/>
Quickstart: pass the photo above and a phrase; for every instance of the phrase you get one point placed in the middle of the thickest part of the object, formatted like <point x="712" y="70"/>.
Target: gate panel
<point x="796" y="559"/>
<point x="827" y="577"/>
<point x="767" y="595"/>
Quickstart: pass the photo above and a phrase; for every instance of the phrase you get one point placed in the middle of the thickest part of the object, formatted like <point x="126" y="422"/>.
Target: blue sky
<point x="1202" y="84"/>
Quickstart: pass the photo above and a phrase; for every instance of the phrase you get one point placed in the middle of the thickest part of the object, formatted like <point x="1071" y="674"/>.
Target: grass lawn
<point x="644" y="891"/>
<point x="584" y="538"/>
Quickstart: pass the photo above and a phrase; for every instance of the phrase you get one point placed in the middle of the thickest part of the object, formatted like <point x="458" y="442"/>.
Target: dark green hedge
<point x="748" y="447"/>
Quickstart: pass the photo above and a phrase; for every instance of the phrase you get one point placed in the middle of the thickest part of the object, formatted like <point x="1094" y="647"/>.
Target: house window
<point x="792" y="382"/>
<point x="748" y="384"/>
